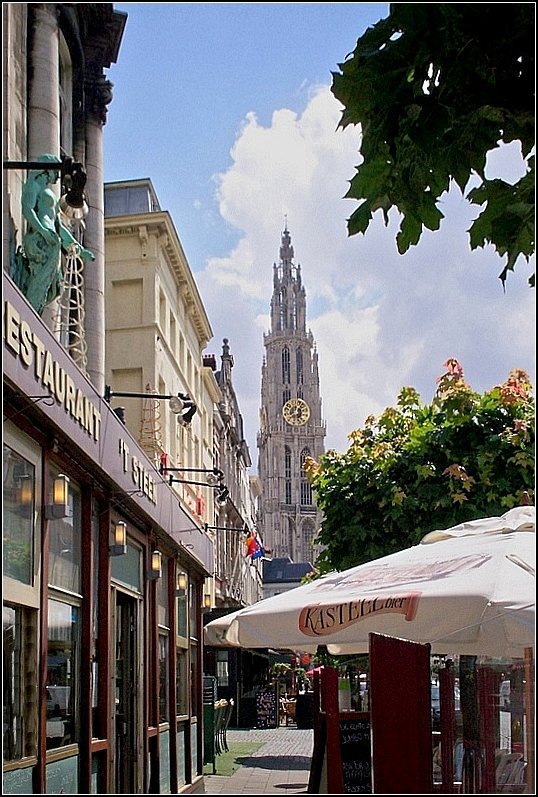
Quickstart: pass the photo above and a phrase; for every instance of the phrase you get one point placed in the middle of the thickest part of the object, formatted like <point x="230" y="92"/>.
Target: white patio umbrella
<point x="469" y="590"/>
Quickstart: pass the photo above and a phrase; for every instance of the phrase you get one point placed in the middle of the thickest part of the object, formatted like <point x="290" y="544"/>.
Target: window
<point x="163" y="643"/>
<point x="283" y="303"/>
<point x="64" y="546"/>
<point x="182" y="655"/>
<point x="163" y="677"/>
<point x="64" y="624"/>
<point x="182" y="616"/>
<point x="222" y="667"/>
<point x="195" y="709"/>
<point x="98" y="721"/>
<point x="306" y="487"/>
<point x="22" y="483"/>
<point x="299" y="364"/>
<point x="19" y="512"/>
<point x="307" y="535"/>
<point x="182" y="681"/>
<point x="162" y="314"/>
<point x="63" y="668"/>
<point x="287" y="474"/>
<point x="19" y="682"/>
<point x="285" y="365"/>
<point x="194" y="629"/>
<point x="173" y="334"/>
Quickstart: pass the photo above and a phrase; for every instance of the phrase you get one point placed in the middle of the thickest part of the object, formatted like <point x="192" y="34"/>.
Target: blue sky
<point x="227" y="108"/>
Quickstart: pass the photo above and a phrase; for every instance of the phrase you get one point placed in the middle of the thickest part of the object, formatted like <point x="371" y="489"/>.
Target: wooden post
<point x="446" y="692"/>
<point x="329" y="686"/>
<point x="529" y="712"/>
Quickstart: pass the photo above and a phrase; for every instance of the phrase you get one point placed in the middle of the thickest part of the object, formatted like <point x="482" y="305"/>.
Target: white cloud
<point x="380" y="320"/>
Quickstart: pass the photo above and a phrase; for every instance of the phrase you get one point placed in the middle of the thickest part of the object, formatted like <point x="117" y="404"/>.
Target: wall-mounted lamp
<point x="206" y="603"/>
<point x="221" y="490"/>
<point x="120" y="539"/>
<point x="60" y="498"/>
<point x="73" y="202"/>
<point x="155" y="566"/>
<point x="181" y="404"/>
<point x="222" y="495"/>
<point x="73" y="177"/>
<point x="181" y="584"/>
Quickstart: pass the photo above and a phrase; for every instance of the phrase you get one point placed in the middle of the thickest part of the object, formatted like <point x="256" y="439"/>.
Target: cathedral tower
<point x="291" y="427"/>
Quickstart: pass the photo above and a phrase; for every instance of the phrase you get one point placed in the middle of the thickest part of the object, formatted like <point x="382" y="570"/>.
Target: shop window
<point x="19" y="511"/>
<point x="182" y="626"/>
<point x="64" y="546"/>
<point x="182" y="681"/>
<point x="63" y="669"/>
<point x="21" y="545"/>
<point x="163" y="677"/>
<point x="63" y="625"/>
<point x="128" y="568"/>
<point x="98" y="729"/>
<point x="194" y="680"/>
<point x="19" y="682"/>
<point x="162" y="595"/>
<point x="182" y="655"/>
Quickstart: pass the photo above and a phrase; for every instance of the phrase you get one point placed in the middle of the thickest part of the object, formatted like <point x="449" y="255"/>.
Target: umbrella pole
<point x="529" y="709"/>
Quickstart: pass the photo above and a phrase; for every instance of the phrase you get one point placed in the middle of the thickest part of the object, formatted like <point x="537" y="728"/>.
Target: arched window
<point x="299" y="365"/>
<point x="287" y="474"/>
<point x="306" y="488"/>
<point x="308" y="531"/>
<point x="283" y="308"/>
<point x="285" y="365"/>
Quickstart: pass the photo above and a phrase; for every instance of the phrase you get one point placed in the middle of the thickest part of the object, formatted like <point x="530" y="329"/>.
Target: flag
<point x="254" y="549"/>
<point x="258" y="551"/>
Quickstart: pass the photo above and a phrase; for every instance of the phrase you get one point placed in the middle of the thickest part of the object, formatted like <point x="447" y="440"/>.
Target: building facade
<point x="291" y="424"/>
<point x="238" y="577"/>
<point x="105" y="563"/>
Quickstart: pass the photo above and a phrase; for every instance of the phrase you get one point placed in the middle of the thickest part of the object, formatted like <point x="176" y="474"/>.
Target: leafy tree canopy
<point x="435" y="87"/>
<point x="419" y="467"/>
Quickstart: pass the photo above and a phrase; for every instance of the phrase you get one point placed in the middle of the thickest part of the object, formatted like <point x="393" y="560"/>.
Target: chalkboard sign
<point x="356" y="752"/>
<point x="266" y="710"/>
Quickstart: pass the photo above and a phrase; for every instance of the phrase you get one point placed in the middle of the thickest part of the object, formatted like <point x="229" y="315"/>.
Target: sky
<point x="227" y="108"/>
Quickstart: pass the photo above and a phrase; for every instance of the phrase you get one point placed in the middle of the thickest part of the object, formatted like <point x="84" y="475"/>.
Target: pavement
<point x="280" y="766"/>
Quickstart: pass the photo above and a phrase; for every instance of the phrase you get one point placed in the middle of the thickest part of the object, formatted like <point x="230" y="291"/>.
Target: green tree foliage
<point x="435" y="87"/>
<point x="419" y="467"/>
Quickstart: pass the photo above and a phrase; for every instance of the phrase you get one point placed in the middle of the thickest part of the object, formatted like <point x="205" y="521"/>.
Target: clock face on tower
<point x="296" y="412"/>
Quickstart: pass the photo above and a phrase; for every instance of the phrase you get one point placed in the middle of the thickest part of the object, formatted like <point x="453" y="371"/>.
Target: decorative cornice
<point x="159" y="225"/>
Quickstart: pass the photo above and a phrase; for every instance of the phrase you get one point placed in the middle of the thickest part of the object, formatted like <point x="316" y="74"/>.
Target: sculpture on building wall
<point x="38" y="268"/>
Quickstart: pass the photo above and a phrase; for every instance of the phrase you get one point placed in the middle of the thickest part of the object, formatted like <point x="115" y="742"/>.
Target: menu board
<point x="356" y="752"/>
<point x="266" y="710"/>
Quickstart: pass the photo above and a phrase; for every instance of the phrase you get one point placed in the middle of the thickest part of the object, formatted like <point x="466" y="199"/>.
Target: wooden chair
<point x="224" y="725"/>
<point x="220" y="713"/>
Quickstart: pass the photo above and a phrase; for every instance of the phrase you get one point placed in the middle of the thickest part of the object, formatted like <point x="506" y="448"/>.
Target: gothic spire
<point x="288" y="311"/>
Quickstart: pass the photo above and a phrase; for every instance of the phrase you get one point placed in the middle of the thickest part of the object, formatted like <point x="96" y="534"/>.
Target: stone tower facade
<point x="291" y="426"/>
